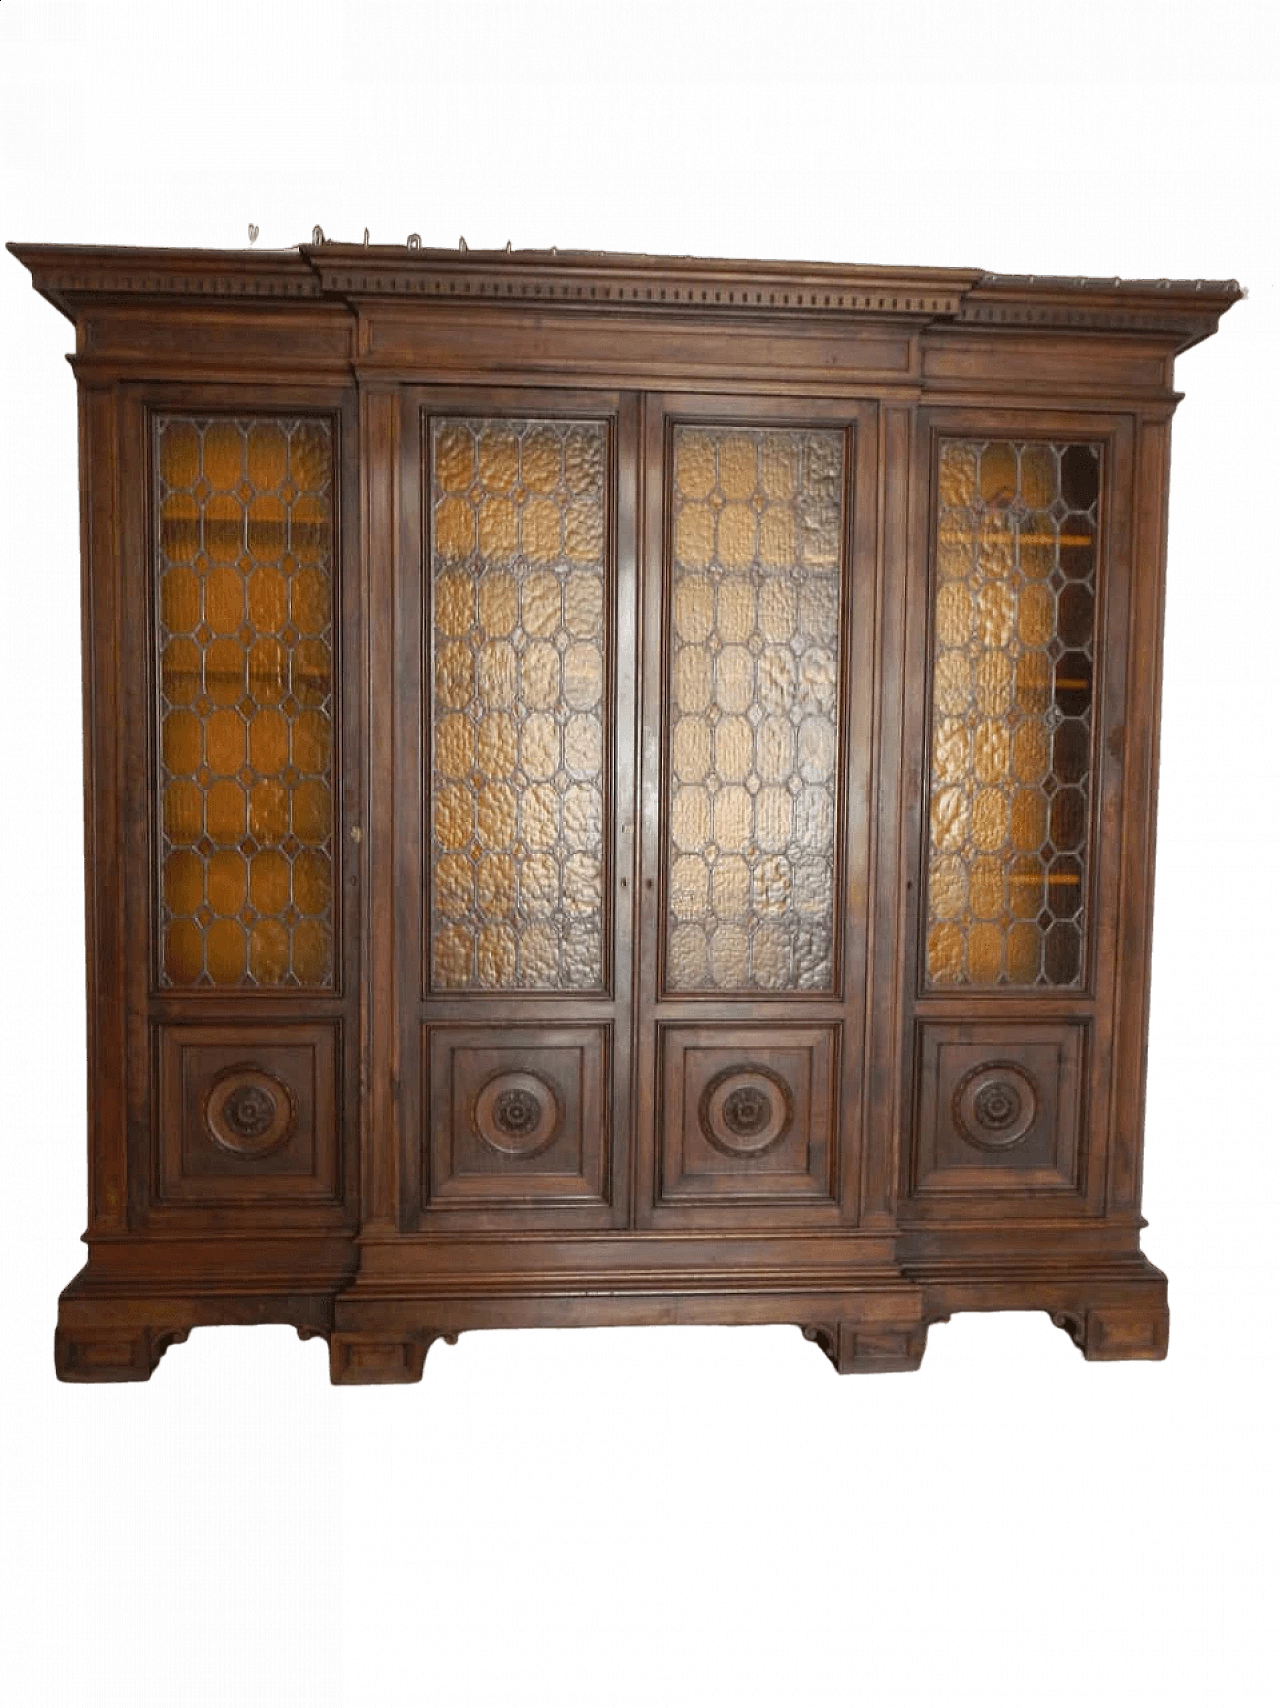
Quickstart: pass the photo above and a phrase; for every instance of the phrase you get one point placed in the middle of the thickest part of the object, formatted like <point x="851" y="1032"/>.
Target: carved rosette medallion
<point x="744" y="1111"/>
<point x="994" y="1106"/>
<point x="248" y="1112"/>
<point x="517" y="1114"/>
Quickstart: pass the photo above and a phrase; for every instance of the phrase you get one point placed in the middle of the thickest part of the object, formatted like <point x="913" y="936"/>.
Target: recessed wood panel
<point x="516" y="1116"/>
<point x="748" y="1115"/>
<point x="248" y="1114"/>
<point x="999" y="1109"/>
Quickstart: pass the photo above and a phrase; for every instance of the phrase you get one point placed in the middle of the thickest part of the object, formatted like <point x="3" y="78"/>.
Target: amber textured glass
<point x="753" y="696"/>
<point x="244" y="633"/>
<point x="1013" y="676"/>
<point x="518" y="647"/>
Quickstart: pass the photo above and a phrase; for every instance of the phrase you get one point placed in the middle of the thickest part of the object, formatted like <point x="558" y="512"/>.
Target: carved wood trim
<point x="631" y="281"/>
<point x="1186" y="309"/>
<point x="575" y="1282"/>
<point x="112" y="1354"/>
<point x="1072" y="1324"/>
<point x="824" y="1338"/>
<point x="378" y="1359"/>
<point x="1189" y="309"/>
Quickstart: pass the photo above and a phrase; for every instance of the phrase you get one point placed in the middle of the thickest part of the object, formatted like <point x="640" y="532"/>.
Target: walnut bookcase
<point x="619" y="790"/>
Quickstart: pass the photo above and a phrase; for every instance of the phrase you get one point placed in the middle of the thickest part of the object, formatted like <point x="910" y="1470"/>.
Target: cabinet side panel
<point x="104" y="896"/>
<point x="1141" y="736"/>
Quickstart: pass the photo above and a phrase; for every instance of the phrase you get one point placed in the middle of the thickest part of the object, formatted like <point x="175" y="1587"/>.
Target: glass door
<point x="517" y="839"/>
<point x="757" y="756"/>
<point x="249" y="642"/>
<point x="1023" y="544"/>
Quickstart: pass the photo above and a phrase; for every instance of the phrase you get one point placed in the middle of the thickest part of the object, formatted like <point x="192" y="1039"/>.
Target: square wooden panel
<point x="248" y="1115"/>
<point x="516" y="1116"/>
<point x="746" y="1115"/>
<point x="999" y="1108"/>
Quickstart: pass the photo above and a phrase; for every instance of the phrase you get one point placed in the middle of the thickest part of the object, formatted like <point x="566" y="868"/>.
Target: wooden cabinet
<point x="619" y="790"/>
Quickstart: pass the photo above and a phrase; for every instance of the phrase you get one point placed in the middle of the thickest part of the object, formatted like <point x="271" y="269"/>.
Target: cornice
<point x="1186" y="310"/>
<point x="600" y="281"/>
<point x="74" y="276"/>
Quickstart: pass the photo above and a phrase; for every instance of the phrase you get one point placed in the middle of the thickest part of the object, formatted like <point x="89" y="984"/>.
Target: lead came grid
<point x="1013" y="672"/>
<point x="244" y="636"/>
<point x="753" y="708"/>
<point x="518" y="650"/>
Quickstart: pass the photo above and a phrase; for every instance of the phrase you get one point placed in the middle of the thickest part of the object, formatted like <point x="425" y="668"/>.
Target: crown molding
<point x="73" y="276"/>
<point x="1185" y="310"/>
<point x="599" y="281"/>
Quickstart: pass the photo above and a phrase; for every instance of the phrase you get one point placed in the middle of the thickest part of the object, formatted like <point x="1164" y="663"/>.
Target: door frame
<point x="404" y="783"/>
<point x="844" y="1009"/>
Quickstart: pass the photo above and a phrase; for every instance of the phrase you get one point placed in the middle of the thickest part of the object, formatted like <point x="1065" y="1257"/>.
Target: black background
<point x="527" y="1404"/>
